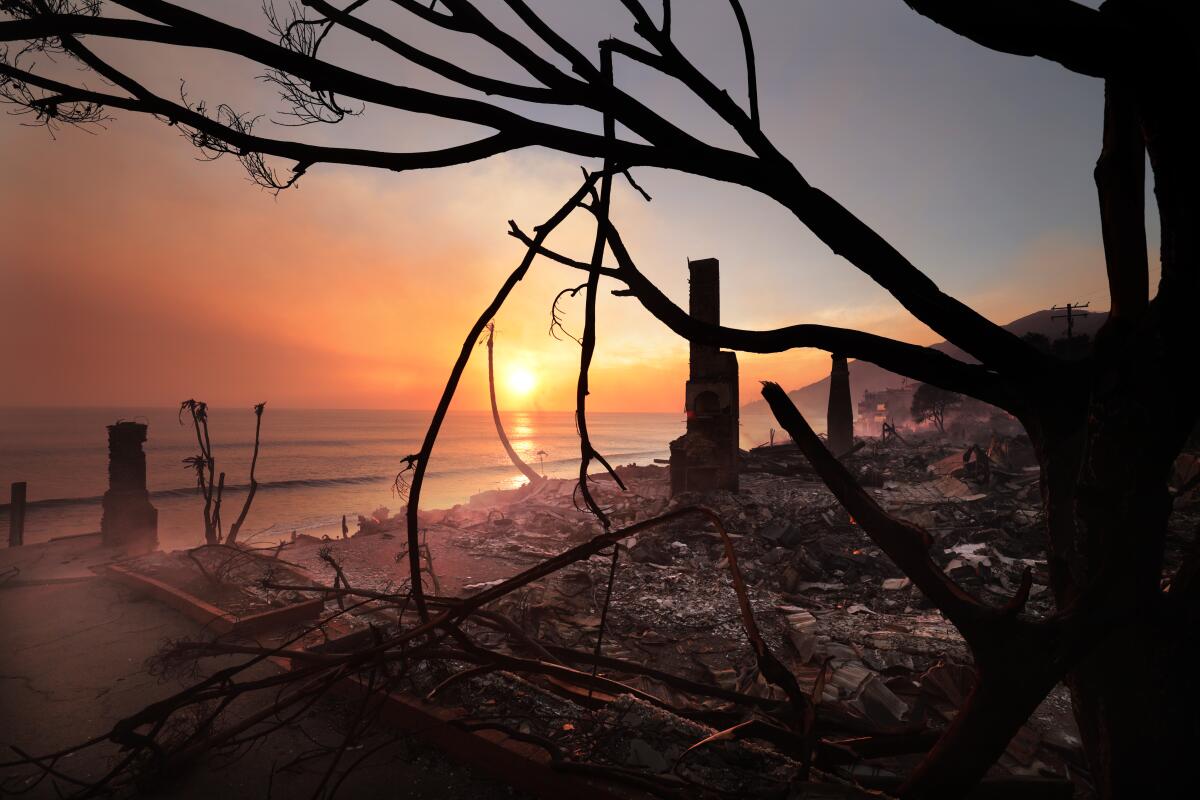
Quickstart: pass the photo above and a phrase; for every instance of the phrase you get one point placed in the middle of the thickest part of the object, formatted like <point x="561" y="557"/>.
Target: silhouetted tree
<point x="1073" y="348"/>
<point x="930" y="403"/>
<point x="1106" y="428"/>
<point x="1038" y="340"/>
<point x="211" y="486"/>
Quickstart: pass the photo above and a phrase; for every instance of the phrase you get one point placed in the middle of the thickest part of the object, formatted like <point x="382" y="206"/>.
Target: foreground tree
<point x="1106" y="428"/>
<point x="930" y="403"/>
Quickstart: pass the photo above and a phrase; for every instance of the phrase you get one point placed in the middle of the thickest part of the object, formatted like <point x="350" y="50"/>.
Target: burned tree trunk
<point x="1135" y="698"/>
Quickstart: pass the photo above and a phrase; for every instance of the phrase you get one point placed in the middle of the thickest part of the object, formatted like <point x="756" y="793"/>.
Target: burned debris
<point x="674" y="700"/>
<point x="1107" y="430"/>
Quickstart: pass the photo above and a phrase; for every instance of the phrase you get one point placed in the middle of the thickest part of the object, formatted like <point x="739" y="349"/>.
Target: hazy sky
<point x="131" y="273"/>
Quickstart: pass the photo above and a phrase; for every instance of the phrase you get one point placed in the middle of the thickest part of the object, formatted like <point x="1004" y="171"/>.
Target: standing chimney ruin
<point x="839" y="420"/>
<point x="706" y="457"/>
<point x="129" y="521"/>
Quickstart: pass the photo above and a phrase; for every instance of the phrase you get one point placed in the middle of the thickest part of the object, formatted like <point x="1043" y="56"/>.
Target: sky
<point x="132" y="273"/>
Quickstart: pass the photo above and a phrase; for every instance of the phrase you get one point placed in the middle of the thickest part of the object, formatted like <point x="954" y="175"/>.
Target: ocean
<point x="313" y="467"/>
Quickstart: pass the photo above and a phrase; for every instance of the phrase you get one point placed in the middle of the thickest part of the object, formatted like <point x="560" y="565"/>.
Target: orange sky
<point x="132" y="274"/>
<point x="180" y="279"/>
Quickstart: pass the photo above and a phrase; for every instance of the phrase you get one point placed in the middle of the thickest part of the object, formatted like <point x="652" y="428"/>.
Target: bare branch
<point x="840" y="230"/>
<point x="237" y="136"/>
<point x="186" y="28"/>
<point x="748" y="46"/>
<point x="919" y="363"/>
<point x="421" y="460"/>
<point x="556" y="312"/>
<point x="434" y="64"/>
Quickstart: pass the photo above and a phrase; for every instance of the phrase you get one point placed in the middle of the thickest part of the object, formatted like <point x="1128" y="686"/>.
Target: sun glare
<point x="521" y="381"/>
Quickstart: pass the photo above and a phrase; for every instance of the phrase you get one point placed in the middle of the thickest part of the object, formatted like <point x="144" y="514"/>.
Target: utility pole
<point x="1072" y="310"/>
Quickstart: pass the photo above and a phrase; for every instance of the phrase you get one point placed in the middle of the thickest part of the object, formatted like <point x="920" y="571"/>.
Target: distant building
<point x="886" y="405"/>
<point x="706" y="457"/>
<point x="895" y="407"/>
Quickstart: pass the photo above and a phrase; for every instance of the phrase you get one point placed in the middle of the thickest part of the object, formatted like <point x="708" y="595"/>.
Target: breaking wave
<point x="552" y="466"/>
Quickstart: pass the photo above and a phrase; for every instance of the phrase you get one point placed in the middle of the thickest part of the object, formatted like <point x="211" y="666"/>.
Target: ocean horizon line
<point x="108" y="407"/>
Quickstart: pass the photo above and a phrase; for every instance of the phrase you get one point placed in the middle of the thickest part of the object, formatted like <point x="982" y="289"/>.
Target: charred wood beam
<point x="1064" y="31"/>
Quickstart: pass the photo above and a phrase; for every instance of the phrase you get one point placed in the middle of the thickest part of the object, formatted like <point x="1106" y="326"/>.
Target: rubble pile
<point x="827" y="600"/>
<point x="228" y="578"/>
<point x="666" y="626"/>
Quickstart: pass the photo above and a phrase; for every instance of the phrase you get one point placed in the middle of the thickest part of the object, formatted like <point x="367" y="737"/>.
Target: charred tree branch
<point x="421" y="462"/>
<point x="919" y="363"/>
<point x="1059" y="30"/>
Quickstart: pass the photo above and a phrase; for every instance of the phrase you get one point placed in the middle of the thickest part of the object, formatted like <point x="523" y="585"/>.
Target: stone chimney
<point x="706" y="457"/>
<point x="840" y="419"/>
<point x="704" y="305"/>
<point x="128" y="520"/>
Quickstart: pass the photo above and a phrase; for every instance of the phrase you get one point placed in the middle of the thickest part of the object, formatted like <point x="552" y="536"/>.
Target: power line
<point x="1072" y="310"/>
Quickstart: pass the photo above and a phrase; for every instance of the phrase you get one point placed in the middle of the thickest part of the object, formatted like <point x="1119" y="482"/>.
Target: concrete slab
<point x="73" y="661"/>
<point x="65" y="560"/>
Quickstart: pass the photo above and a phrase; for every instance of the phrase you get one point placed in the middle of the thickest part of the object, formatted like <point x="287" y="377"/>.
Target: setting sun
<point x="521" y="381"/>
